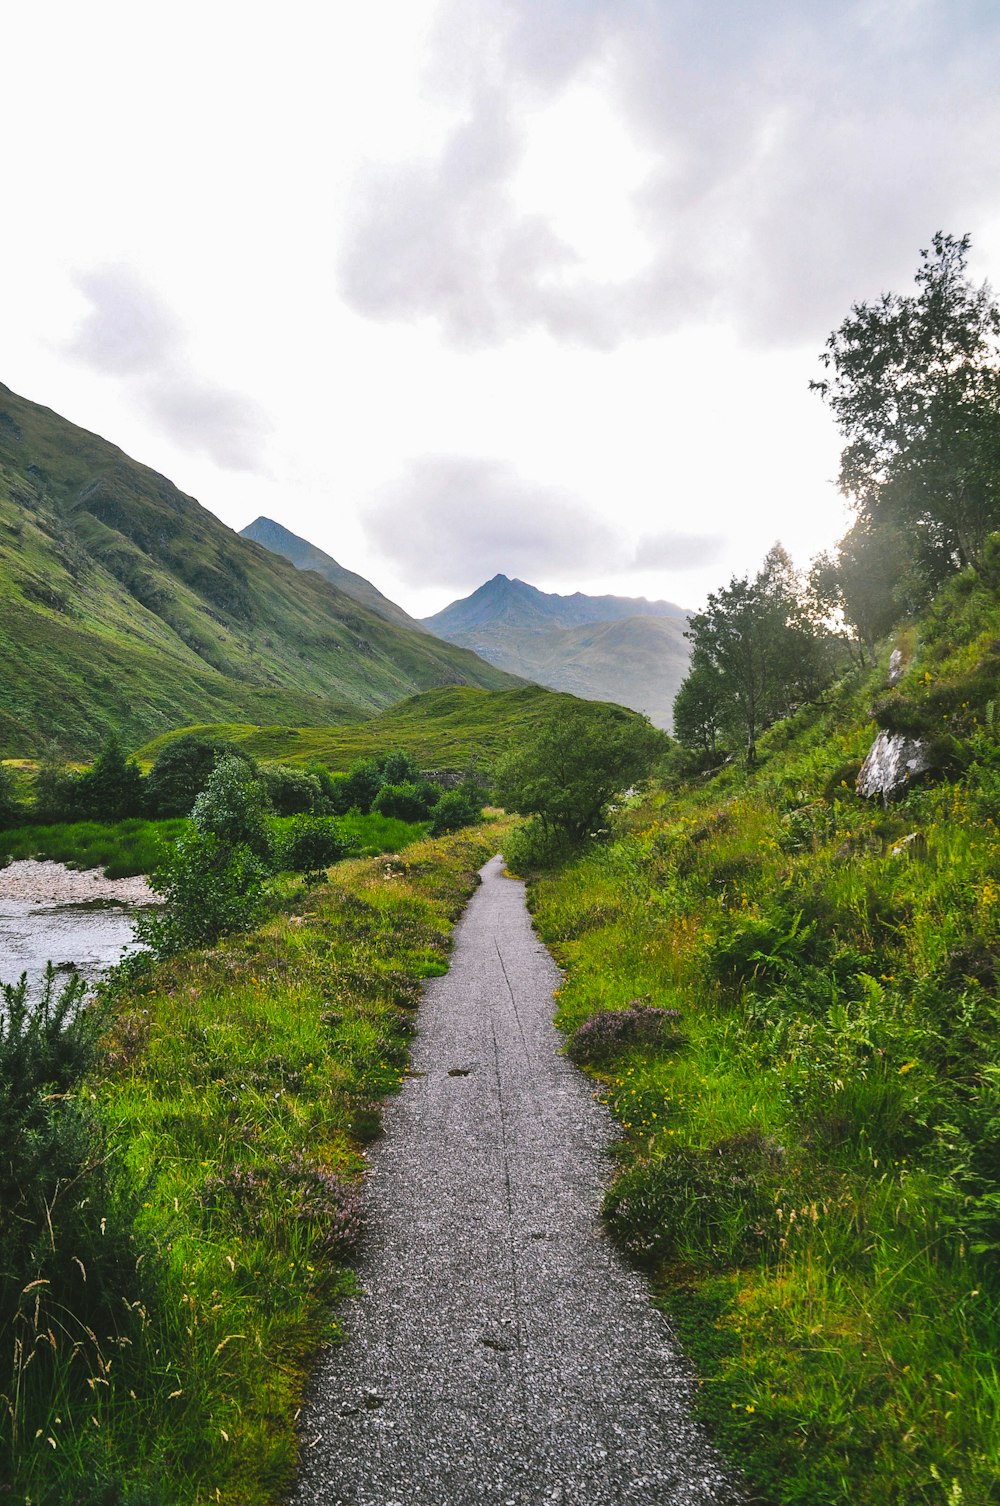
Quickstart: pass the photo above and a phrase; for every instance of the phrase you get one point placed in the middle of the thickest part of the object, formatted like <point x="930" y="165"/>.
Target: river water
<point x="49" y="913"/>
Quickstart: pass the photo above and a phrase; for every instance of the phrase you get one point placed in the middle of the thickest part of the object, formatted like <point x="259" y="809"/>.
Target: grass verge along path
<point x="240" y="1086"/>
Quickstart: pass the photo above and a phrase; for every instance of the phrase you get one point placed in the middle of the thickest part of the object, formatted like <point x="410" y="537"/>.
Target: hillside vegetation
<point x="450" y="729"/>
<point x="810" y="1156"/>
<point x="126" y="606"/>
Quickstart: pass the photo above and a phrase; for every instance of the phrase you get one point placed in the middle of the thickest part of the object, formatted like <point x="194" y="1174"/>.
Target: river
<point x="50" y="913"/>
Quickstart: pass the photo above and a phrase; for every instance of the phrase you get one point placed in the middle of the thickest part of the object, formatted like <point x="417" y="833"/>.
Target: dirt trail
<point x="502" y="1352"/>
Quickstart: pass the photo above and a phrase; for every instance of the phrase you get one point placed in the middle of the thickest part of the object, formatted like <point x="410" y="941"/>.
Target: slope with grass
<point x="125" y="605"/>
<point x="305" y="556"/>
<point x="809" y="1159"/>
<point x="449" y="730"/>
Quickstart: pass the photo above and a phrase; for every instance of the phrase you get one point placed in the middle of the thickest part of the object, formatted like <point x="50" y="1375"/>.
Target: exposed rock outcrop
<point x="893" y="763"/>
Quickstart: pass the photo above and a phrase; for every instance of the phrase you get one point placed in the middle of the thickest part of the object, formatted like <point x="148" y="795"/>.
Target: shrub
<point x="457" y="808"/>
<point x="290" y="791"/>
<point x="68" y="1254"/>
<point x="111" y="789"/>
<point x="710" y="1207"/>
<point x="181" y="772"/>
<point x="231" y="808"/>
<point x="614" y="1031"/>
<point x="209" y="890"/>
<point x="311" y="843"/>
<point x="407" y="801"/>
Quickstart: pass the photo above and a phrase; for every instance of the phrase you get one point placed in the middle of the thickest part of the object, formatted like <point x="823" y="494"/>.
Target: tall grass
<point x="813" y="1179"/>
<point x="242" y="1085"/>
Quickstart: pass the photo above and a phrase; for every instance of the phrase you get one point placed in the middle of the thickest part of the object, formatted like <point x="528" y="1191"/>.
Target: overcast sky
<point x="452" y="287"/>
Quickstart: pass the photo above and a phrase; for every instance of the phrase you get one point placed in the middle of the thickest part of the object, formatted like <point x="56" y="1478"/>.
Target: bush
<point x="710" y="1207"/>
<point x="292" y="792"/>
<point x="209" y="890"/>
<point x="68" y="1255"/>
<point x="457" y="808"/>
<point x="614" y="1031"/>
<point x="406" y="802"/>
<point x="282" y="1194"/>
<point x="231" y="808"/>
<point x="181" y="772"/>
<point x="312" y="843"/>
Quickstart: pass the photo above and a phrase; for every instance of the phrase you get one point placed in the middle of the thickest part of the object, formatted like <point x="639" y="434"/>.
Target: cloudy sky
<point x="453" y="287"/>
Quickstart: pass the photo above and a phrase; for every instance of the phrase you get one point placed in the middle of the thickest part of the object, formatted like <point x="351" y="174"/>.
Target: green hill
<point x="809" y="1162"/>
<point x="125" y="605"/>
<point x="442" y="729"/>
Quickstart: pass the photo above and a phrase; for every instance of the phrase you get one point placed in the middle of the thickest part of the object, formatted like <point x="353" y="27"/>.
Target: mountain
<point x="604" y="648"/>
<point x="306" y="556"/>
<point x="125" y="605"/>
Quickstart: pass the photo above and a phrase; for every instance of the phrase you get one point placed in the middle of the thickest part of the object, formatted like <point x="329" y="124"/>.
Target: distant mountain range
<point x="126" y="606"/>
<point x="605" y="648"/>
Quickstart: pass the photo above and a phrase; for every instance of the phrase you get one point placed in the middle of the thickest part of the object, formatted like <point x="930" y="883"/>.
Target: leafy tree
<point x="700" y="709"/>
<point x="756" y="637"/>
<point x="112" y="788"/>
<point x="291" y="791"/>
<point x="867" y="582"/>
<point x="231" y="808"/>
<point x="181" y="772"/>
<point x="914" y="385"/>
<point x="570" y="767"/>
<point x="209" y="889"/>
<point x="359" y="789"/>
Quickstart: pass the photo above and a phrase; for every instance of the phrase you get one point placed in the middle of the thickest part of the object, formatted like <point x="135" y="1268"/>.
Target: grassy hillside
<point x="126" y="605"/>
<point x="809" y="1162"/>
<point x="442" y="729"/>
<point x="306" y="556"/>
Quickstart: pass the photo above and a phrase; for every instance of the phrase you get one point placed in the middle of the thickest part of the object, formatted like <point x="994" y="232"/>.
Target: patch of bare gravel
<point x="47" y="883"/>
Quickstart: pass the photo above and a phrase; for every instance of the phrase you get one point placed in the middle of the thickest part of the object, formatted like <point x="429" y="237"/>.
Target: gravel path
<point x="502" y="1352"/>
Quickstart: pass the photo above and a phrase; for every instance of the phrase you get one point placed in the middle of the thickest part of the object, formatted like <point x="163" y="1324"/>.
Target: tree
<point x="231" y="808"/>
<point x="915" y="389"/>
<point x="571" y="766"/>
<point x="112" y="788"/>
<point x="182" y="769"/>
<point x="756" y="638"/>
<point x="700" y="709"/>
<point x="865" y="582"/>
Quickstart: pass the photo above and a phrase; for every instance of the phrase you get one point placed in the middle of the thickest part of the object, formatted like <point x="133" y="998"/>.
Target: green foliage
<point x="231" y="808"/>
<point x="291" y="792"/>
<point x="756" y="654"/>
<point x="111" y="789"/>
<point x="409" y="801"/>
<point x="70" y="1294"/>
<point x="311" y="843"/>
<point x="457" y="808"/>
<point x="915" y="388"/>
<point x="12" y="810"/>
<point x="209" y="889"/>
<point x="181" y="771"/>
<point x="568" y="771"/>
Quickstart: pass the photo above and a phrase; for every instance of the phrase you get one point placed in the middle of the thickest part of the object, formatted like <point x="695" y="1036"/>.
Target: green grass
<point x="447" y="729"/>
<point x="126" y="606"/>
<point x="813" y="1181"/>
<point x="125" y="848"/>
<point x="121" y="848"/>
<point x="229" y="1078"/>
